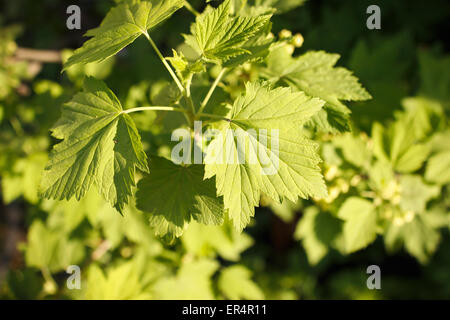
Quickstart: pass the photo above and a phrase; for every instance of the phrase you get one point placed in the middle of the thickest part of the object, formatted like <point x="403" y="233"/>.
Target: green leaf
<point x="438" y="168"/>
<point x="122" y="25"/>
<point x="205" y="241"/>
<point x="315" y="73"/>
<point x="423" y="115"/>
<point x="100" y="144"/>
<point x="257" y="48"/>
<point x="244" y="165"/>
<point x="277" y="6"/>
<point x="412" y="159"/>
<point x="174" y="195"/>
<point x="76" y="73"/>
<point x="184" y="68"/>
<point x="24" y="178"/>
<point x="360" y="223"/>
<point x="355" y="149"/>
<point x="51" y="249"/>
<point x="399" y="146"/>
<point x="415" y="193"/>
<point x="285" y="210"/>
<point x="235" y="283"/>
<point x="434" y="72"/>
<point x="418" y="237"/>
<point x="217" y="36"/>
<point x="317" y="230"/>
<point x="281" y="5"/>
<point x="192" y="282"/>
<point x="119" y="283"/>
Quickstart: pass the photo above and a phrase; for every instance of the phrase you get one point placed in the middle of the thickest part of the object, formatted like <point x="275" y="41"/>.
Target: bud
<point x="331" y="172"/>
<point x="126" y="252"/>
<point x="332" y="194"/>
<point x="290" y="49"/>
<point x="247" y="67"/>
<point x="396" y="199"/>
<point x="298" y="40"/>
<point x="50" y="287"/>
<point x="387" y="213"/>
<point x="409" y="216"/>
<point x="343" y="185"/>
<point x="355" y="180"/>
<point x="285" y="34"/>
<point x="398" y="221"/>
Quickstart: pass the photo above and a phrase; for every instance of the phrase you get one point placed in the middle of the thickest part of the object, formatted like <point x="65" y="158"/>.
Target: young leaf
<point x="398" y="145"/>
<point x="315" y="74"/>
<point x="52" y="249"/>
<point x="415" y="193"/>
<point x="100" y="144"/>
<point x="202" y="240"/>
<point x="175" y="194"/>
<point x="360" y="223"/>
<point x="192" y="281"/>
<point x="438" y="168"/>
<point x="257" y="49"/>
<point x="122" y="25"/>
<point x="317" y="230"/>
<point x="277" y="6"/>
<point x="354" y="149"/>
<point x="119" y="282"/>
<point x="260" y="118"/>
<point x="423" y="115"/>
<point x="419" y="238"/>
<point x="217" y="36"/>
<point x="184" y="68"/>
<point x="235" y="282"/>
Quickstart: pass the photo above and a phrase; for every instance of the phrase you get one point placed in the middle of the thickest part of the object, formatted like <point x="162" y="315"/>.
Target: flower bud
<point x="285" y="34"/>
<point x="298" y="40"/>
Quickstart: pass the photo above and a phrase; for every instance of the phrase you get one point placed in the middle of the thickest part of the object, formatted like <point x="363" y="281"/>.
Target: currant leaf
<point x="186" y="196"/>
<point x="100" y="145"/>
<point x="315" y="74"/>
<point x="261" y="117"/>
<point x="122" y="25"/>
<point x="217" y="36"/>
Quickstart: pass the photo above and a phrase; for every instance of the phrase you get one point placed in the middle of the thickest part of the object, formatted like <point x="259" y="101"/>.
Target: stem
<point x="188" y="6"/>
<point x="174" y="76"/>
<point x="166" y="64"/>
<point x="188" y="95"/>
<point x="211" y="90"/>
<point x="213" y="116"/>
<point x="155" y="108"/>
<point x="49" y="279"/>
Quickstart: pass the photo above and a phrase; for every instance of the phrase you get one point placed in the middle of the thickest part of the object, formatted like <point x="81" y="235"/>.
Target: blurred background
<point x="281" y="255"/>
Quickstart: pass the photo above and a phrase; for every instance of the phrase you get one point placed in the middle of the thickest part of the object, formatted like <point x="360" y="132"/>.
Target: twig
<point x="44" y="56"/>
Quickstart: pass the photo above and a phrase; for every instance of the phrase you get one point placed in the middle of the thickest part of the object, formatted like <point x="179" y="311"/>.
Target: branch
<point x="44" y="56"/>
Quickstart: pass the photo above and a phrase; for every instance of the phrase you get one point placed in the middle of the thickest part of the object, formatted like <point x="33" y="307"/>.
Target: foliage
<point x="361" y="176"/>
